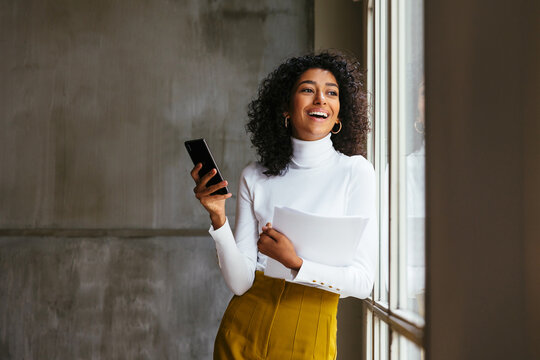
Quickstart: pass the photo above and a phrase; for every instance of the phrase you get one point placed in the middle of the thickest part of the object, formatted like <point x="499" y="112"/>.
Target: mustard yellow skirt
<point x="278" y="320"/>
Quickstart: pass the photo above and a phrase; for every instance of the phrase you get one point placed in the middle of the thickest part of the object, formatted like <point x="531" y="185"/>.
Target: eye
<point x="333" y="93"/>
<point x="306" y="90"/>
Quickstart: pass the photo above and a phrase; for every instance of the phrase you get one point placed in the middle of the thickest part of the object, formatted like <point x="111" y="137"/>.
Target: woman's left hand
<point x="277" y="246"/>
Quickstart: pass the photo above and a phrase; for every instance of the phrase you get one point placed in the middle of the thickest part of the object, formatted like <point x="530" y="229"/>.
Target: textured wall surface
<point x="108" y="298"/>
<point x="100" y="253"/>
<point x="97" y="98"/>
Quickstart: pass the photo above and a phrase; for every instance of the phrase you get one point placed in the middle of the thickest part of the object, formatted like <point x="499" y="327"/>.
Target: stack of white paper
<point x="322" y="239"/>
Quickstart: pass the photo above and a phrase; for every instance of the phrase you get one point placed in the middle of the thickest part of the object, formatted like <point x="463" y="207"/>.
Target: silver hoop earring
<point x="335" y="132"/>
<point x="287" y="121"/>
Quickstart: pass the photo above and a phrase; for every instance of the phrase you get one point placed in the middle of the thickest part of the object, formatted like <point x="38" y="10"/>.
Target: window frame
<point x="401" y="322"/>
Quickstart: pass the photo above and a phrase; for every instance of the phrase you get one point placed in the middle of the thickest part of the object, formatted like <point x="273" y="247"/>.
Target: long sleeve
<point x="357" y="279"/>
<point x="237" y="253"/>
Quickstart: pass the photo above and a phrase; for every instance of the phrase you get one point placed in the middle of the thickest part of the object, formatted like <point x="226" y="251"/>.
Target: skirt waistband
<point x="294" y="294"/>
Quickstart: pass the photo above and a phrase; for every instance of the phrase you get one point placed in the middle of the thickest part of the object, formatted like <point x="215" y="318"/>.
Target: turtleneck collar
<point x="310" y="154"/>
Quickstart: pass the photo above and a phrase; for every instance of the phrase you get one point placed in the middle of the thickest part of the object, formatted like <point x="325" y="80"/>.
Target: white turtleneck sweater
<point x="321" y="181"/>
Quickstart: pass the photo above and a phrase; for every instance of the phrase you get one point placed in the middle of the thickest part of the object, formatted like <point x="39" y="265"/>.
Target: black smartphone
<point x="200" y="153"/>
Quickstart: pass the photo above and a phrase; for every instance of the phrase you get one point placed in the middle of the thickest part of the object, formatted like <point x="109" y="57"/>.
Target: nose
<point x="319" y="98"/>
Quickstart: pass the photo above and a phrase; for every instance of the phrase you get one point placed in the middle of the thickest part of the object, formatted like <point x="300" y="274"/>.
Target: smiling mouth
<point x="318" y="114"/>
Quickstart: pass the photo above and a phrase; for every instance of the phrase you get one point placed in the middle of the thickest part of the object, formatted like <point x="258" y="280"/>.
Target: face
<point x="314" y="106"/>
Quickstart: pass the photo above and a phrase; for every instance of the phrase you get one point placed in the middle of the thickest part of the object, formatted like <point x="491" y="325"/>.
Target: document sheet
<point x="322" y="239"/>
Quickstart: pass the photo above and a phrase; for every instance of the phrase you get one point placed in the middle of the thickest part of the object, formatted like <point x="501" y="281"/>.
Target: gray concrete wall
<point x="109" y="298"/>
<point x="97" y="98"/>
<point x="103" y="250"/>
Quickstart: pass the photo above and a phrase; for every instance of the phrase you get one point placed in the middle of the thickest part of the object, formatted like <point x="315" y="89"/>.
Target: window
<point x="394" y="325"/>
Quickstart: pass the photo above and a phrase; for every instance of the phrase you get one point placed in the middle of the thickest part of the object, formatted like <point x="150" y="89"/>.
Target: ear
<point x="286" y="114"/>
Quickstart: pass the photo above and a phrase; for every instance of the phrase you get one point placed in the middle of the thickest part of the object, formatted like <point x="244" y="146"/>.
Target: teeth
<point x="317" y="113"/>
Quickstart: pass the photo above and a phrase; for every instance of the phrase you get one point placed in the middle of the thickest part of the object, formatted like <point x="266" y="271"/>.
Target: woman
<point x="308" y="124"/>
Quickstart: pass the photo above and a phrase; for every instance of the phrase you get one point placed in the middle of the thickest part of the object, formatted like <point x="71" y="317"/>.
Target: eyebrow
<point x="314" y="83"/>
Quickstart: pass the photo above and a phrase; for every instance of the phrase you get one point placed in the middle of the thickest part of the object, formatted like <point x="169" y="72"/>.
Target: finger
<point x="264" y="240"/>
<point x="273" y="233"/>
<point x="211" y="189"/>
<point x="201" y="184"/>
<point x="268" y="225"/>
<point x="271" y="241"/>
<point x="219" y="197"/>
<point x="207" y="177"/>
<point x="195" y="172"/>
<point x="264" y="244"/>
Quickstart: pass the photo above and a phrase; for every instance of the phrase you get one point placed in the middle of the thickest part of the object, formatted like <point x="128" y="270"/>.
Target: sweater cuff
<point x="310" y="273"/>
<point x="223" y="235"/>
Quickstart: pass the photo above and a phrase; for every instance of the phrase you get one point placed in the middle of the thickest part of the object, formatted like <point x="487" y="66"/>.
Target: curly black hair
<point x="272" y="139"/>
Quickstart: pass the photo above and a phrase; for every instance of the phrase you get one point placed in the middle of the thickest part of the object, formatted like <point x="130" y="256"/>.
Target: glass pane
<point x="385" y="340"/>
<point x="382" y="163"/>
<point x="412" y="155"/>
<point x="405" y="349"/>
<point x="369" y="335"/>
<point x="382" y="349"/>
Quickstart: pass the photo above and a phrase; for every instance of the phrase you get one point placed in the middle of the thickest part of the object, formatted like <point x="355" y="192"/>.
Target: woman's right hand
<point x="214" y="204"/>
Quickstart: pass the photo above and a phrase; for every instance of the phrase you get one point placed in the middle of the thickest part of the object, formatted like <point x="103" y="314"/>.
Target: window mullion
<point x="394" y="173"/>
